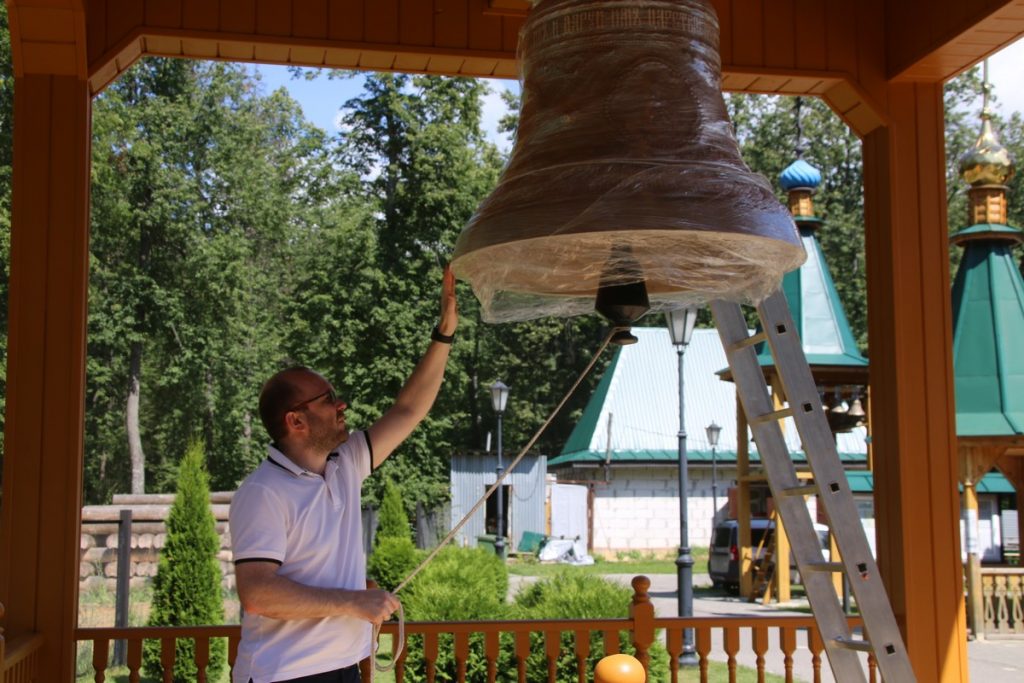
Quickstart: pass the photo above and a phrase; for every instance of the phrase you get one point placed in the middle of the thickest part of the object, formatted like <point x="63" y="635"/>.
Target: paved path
<point x="989" y="661"/>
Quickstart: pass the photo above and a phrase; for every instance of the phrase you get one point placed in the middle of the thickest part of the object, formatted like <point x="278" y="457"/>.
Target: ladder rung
<point x="806" y="490"/>
<point x="854" y="644"/>
<point x="775" y="416"/>
<point x="825" y="567"/>
<point x="749" y="341"/>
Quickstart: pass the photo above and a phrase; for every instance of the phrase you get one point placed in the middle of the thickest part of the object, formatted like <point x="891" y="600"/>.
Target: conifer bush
<point x="460" y="584"/>
<point x="186" y="589"/>
<point x="391" y="561"/>
<point x="571" y="595"/>
<point x="393" y="521"/>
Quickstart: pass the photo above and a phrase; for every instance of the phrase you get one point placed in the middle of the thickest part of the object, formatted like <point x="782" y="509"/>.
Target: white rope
<point x="399" y="643"/>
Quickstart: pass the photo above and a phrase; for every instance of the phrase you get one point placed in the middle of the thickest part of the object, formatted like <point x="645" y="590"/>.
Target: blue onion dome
<point x="800" y="174"/>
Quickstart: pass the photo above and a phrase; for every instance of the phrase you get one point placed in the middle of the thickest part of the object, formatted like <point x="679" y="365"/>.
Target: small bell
<point x="856" y="409"/>
<point x="624" y="147"/>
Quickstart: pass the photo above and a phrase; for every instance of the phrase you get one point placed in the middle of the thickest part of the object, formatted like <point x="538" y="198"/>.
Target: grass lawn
<point x="624" y="563"/>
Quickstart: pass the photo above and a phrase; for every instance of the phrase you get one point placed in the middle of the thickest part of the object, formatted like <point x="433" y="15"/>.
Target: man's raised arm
<point x="417" y="396"/>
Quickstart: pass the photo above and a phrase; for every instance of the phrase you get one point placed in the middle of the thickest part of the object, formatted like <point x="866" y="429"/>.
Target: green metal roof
<point x="988" y="329"/>
<point x="994" y="482"/>
<point x="579" y="440"/>
<point x="988" y="229"/>
<point x="817" y="310"/>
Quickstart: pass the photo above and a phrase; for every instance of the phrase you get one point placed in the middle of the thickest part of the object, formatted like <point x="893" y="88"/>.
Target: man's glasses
<point x="331" y="398"/>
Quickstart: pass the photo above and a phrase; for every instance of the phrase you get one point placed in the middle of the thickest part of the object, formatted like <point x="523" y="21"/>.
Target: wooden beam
<point x="42" y="483"/>
<point x="913" y="421"/>
<point x="926" y="44"/>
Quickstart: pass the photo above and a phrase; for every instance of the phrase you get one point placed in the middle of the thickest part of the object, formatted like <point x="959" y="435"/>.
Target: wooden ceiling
<point x="841" y="50"/>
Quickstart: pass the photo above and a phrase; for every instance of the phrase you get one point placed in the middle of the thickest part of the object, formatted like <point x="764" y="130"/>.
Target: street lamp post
<point x="680" y="327"/>
<point x="713" y="431"/>
<point x="499" y="398"/>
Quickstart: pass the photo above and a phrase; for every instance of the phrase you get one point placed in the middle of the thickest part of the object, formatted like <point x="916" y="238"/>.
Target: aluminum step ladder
<point x="882" y="635"/>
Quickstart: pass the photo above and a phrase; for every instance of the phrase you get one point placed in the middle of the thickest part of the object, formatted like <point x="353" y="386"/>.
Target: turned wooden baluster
<point x="1016" y="608"/>
<point x="816" y="646"/>
<point x="674" y="645"/>
<point x="582" y="652"/>
<point x="641" y="611"/>
<point x="461" y="656"/>
<point x="760" y="642"/>
<point x="134" y="659"/>
<point x="787" y="641"/>
<point x="988" y="596"/>
<point x="400" y="664"/>
<point x="731" y="643"/>
<point x="872" y="668"/>
<point x="233" y="641"/>
<point x="611" y="643"/>
<point x="202" y="657"/>
<point x="492" y="649"/>
<point x="430" y="655"/>
<point x="1002" y="613"/>
<point x="167" y="656"/>
<point x="522" y="654"/>
<point x="552" y="648"/>
<point x="100" y="654"/>
<point x="703" y="647"/>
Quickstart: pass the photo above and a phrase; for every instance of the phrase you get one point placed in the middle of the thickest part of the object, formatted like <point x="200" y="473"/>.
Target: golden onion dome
<point x="987" y="162"/>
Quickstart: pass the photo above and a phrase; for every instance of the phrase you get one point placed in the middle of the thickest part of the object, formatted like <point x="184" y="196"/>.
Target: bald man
<point x="296" y="524"/>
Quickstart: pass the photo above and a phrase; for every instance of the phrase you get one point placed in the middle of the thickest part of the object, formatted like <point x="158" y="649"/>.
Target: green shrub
<point x="391" y="561"/>
<point x="571" y="595"/>
<point x="460" y="584"/>
<point x="393" y="521"/>
<point x="186" y="590"/>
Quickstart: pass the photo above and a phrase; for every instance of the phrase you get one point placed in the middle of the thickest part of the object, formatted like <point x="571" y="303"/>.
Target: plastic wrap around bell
<point x="624" y="147"/>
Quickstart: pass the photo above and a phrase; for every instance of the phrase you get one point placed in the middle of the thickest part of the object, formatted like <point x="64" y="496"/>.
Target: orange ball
<point x="619" y="669"/>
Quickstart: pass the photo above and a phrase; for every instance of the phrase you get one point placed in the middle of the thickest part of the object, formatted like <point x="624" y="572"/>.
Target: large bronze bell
<point x="624" y="170"/>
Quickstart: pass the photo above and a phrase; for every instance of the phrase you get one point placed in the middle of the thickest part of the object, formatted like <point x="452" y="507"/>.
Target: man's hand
<point x="414" y="400"/>
<point x="449" y="313"/>
<point x="374" y="605"/>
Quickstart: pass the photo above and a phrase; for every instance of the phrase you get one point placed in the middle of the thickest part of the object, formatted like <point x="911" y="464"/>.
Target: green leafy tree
<point x="418" y="145"/>
<point x="186" y="590"/>
<point x="205" y="189"/>
<point x="769" y="139"/>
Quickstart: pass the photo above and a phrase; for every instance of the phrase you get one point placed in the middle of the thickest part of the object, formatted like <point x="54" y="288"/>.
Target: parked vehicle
<point x="723" y="558"/>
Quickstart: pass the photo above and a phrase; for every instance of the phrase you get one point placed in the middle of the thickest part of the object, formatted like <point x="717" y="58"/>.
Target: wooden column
<point x="1011" y="464"/>
<point x="782" y="576"/>
<point x="42" y="487"/>
<point x="745" y="559"/>
<point x="975" y="616"/>
<point x="910" y="330"/>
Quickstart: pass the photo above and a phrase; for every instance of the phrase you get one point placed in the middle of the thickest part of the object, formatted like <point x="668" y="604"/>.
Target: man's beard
<point x="326" y="436"/>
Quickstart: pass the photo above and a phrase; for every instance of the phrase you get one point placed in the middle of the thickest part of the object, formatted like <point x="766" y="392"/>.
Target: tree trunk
<point x="131" y="421"/>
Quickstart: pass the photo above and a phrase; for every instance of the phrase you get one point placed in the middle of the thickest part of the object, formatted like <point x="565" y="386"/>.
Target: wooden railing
<point x="1002" y="591"/>
<point x="19" y="660"/>
<point x="753" y="640"/>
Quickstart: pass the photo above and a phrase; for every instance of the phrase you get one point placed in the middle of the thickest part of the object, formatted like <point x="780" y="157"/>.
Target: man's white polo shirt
<point x="312" y="527"/>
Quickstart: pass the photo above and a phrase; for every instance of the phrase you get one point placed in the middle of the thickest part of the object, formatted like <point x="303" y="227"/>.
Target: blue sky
<point x="321" y="98"/>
